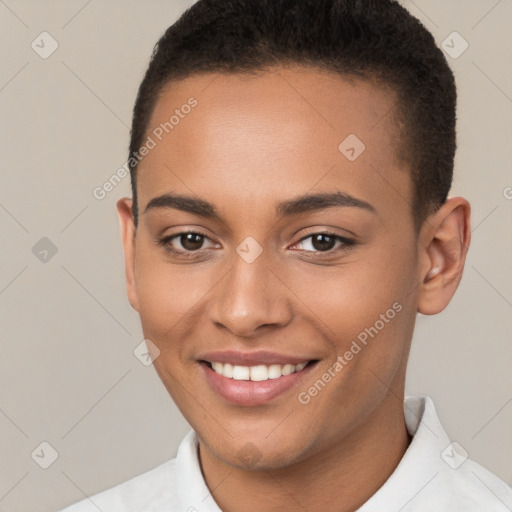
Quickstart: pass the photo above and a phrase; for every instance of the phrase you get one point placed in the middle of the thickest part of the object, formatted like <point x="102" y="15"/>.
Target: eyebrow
<point x="303" y="204"/>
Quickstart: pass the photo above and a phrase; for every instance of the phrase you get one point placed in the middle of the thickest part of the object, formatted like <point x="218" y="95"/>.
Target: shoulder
<point x="151" y="491"/>
<point x="436" y="474"/>
<point x="470" y="487"/>
<point x="457" y="482"/>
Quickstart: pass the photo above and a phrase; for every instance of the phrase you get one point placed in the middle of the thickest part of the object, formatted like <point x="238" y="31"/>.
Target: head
<point x="291" y="119"/>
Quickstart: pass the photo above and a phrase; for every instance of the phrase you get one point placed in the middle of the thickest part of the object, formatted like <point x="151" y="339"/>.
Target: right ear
<point x="127" y="225"/>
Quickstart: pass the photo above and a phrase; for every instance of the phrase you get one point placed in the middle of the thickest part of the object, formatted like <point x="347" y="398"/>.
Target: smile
<point x="256" y="373"/>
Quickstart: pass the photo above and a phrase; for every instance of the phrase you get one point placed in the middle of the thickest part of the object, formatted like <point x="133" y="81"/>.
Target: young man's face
<point x="249" y="145"/>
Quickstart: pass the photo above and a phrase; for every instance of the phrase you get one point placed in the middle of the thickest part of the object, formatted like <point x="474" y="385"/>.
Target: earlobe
<point x="445" y="243"/>
<point x="127" y="226"/>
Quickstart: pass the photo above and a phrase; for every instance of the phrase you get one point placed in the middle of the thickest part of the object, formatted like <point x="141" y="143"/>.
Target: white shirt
<point x="433" y="476"/>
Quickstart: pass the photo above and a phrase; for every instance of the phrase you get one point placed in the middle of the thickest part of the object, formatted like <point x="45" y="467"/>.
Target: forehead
<point x="284" y="131"/>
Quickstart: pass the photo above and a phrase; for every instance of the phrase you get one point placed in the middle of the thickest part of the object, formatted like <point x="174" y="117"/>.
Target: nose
<point x="251" y="298"/>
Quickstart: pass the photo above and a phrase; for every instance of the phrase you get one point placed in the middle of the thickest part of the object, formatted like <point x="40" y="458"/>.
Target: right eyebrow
<point x="188" y="204"/>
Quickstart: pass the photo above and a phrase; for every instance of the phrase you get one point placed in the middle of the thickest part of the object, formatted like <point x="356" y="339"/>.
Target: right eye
<point x="184" y="243"/>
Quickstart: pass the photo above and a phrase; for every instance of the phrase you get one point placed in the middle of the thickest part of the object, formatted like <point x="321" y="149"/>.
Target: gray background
<point x="68" y="375"/>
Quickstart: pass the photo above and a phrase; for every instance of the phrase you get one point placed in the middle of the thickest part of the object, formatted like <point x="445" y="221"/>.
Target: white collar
<point x="426" y="478"/>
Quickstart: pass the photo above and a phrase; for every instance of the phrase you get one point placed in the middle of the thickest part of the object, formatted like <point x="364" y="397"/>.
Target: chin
<point x="260" y="452"/>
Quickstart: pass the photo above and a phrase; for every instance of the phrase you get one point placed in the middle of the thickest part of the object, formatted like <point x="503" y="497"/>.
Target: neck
<point x="347" y="473"/>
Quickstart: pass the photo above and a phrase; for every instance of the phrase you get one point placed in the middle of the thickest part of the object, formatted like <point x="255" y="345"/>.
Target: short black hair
<point x="368" y="39"/>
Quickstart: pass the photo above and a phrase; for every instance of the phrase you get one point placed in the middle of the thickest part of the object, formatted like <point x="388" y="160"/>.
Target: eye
<point x="184" y="242"/>
<point x="325" y="242"/>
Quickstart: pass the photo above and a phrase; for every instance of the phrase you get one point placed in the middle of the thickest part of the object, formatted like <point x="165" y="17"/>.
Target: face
<point x="270" y="242"/>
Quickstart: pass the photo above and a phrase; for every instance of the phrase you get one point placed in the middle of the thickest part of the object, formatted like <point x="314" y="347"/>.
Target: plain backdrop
<point x="68" y="374"/>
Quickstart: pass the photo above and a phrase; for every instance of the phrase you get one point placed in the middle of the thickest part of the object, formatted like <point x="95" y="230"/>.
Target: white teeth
<point x="226" y="370"/>
<point x="256" y="373"/>
<point x="287" y="369"/>
<point x="217" y="367"/>
<point x="274" y="371"/>
<point x="259" y="372"/>
<point x="240" y="372"/>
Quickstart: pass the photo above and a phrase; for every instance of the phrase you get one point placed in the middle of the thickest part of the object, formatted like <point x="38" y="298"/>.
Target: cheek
<point x="352" y="294"/>
<point x="363" y="300"/>
<point x="170" y="296"/>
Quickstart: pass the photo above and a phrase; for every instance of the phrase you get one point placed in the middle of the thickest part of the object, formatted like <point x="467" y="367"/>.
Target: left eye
<point x="324" y="242"/>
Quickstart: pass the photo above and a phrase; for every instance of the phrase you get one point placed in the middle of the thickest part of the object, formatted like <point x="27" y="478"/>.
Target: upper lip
<point x="252" y="358"/>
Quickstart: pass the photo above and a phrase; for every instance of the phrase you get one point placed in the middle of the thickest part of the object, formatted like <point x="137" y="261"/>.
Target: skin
<point x="251" y="142"/>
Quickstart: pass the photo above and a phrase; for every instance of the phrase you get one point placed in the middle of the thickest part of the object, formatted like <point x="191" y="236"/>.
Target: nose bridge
<point x="250" y="295"/>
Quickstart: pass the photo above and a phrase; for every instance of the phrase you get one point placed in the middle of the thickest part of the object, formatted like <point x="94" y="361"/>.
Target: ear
<point x="444" y="242"/>
<point x="128" y="231"/>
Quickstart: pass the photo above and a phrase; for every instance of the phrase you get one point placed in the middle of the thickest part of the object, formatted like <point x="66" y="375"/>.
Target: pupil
<point x="191" y="241"/>
<point x="323" y="242"/>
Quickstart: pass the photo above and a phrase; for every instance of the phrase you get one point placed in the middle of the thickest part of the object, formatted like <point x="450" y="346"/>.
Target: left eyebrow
<point x="314" y="202"/>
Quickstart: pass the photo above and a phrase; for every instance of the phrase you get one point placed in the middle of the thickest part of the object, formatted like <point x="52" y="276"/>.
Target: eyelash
<point x="165" y="242"/>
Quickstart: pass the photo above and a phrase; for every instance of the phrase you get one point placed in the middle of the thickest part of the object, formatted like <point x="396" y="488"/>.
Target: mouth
<point x="259" y="384"/>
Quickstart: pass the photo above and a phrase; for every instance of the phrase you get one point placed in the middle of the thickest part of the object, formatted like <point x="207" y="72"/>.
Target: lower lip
<point x="251" y="393"/>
